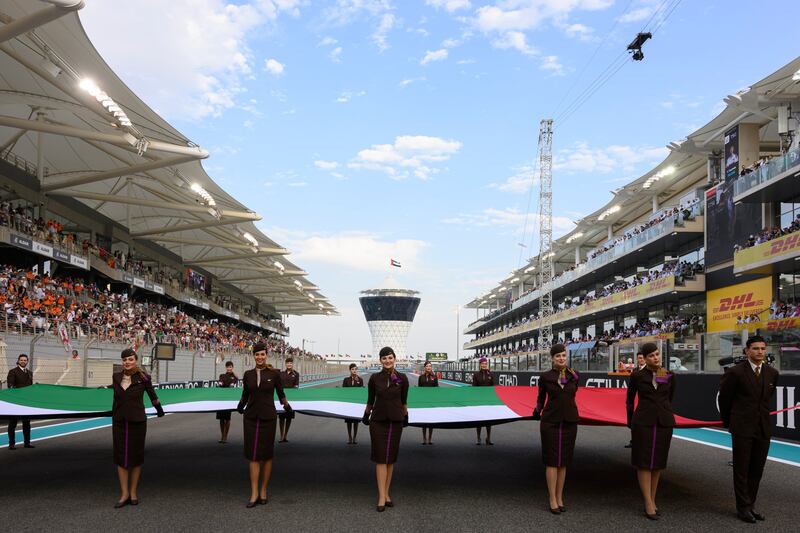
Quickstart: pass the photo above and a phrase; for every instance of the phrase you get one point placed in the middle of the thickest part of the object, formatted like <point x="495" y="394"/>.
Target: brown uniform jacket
<point x="290" y="379"/>
<point x="227" y="380"/>
<point x="426" y="380"/>
<point x="744" y="401"/>
<point x="560" y="406"/>
<point x="18" y="378"/>
<point x="353" y="381"/>
<point x="655" y="405"/>
<point x="129" y="404"/>
<point x="258" y="401"/>
<point x="482" y="378"/>
<point x="387" y="398"/>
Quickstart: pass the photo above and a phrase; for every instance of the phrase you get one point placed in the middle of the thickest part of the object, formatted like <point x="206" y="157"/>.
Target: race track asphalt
<point x="319" y="483"/>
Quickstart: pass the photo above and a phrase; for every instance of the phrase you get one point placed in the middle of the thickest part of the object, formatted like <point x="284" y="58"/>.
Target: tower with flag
<point x="390" y="311"/>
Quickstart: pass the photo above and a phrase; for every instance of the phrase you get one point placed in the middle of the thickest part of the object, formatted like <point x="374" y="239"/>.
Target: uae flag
<point x="445" y="407"/>
<point x="395" y="263"/>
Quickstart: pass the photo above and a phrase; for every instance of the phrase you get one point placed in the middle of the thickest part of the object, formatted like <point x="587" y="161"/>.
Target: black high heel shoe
<point x="252" y="504"/>
<point x="380" y="508"/>
<point x="555" y="510"/>
<point x="651" y="516"/>
<point x="389" y="503"/>
<point x="562" y="508"/>
<point x="263" y="501"/>
<point x="121" y="504"/>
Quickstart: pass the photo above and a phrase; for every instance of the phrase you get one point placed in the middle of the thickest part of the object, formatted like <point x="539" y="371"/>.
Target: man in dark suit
<point x="745" y="394"/>
<point x="290" y="379"/>
<point x="18" y="378"/>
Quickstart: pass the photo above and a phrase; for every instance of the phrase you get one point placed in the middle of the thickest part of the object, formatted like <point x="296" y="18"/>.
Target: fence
<point x="52" y="364"/>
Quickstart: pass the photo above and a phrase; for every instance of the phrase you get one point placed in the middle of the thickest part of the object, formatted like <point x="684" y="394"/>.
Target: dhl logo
<point x="783" y="323"/>
<point x="742" y="301"/>
<point x="785" y="244"/>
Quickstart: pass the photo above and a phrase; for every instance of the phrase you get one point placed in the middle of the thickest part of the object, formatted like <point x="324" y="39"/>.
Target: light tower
<point x="389" y="311"/>
<point x="546" y="233"/>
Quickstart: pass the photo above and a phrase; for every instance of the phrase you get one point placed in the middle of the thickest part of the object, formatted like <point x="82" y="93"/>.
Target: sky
<point x="369" y="130"/>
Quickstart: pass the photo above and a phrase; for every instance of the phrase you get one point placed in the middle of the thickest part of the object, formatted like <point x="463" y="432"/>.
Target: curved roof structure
<point x="89" y="137"/>
<point x="685" y="165"/>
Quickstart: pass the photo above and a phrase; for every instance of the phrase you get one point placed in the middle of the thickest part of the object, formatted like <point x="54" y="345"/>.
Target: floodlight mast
<point x="546" y="233"/>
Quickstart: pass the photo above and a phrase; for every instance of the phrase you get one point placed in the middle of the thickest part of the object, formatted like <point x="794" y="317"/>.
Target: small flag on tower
<point x="395" y="263"/>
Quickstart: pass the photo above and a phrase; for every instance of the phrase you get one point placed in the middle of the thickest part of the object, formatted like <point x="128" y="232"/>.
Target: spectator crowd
<point x="42" y="304"/>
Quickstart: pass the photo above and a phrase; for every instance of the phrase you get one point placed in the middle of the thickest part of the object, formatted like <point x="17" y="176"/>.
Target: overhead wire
<point x="666" y="8"/>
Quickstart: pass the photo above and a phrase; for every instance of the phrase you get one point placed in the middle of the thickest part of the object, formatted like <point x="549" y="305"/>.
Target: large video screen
<point x="727" y="224"/>
<point x="197" y="281"/>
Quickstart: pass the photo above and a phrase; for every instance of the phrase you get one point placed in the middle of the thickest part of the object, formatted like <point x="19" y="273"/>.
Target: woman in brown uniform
<point x="651" y="424"/>
<point x="483" y="378"/>
<point x="386" y="414"/>
<point x="226" y="380"/>
<point x="129" y="424"/>
<point x="559" y="423"/>
<point x="427" y="379"/>
<point x="260" y="385"/>
<point x="353" y="380"/>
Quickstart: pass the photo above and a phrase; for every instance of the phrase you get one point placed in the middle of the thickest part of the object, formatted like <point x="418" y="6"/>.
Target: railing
<point x="775" y="167"/>
<point x="629" y="245"/>
<point x="22" y="163"/>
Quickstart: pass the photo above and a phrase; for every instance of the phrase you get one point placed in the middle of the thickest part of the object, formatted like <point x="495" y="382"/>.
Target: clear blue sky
<point x="364" y="130"/>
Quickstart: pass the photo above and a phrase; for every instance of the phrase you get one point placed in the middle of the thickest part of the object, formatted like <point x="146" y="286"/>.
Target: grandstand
<point x="111" y="231"/>
<point x="695" y="254"/>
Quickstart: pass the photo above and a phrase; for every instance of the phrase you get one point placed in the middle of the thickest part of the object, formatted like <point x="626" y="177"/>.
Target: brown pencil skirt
<point x="128" y="440"/>
<point x="650" y="448"/>
<point x="259" y="439"/>
<point x="385" y="437"/>
<point x="558" y="442"/>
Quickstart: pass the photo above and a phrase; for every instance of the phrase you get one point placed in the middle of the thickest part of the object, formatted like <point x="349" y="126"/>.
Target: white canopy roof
<point x="106" y="148"/>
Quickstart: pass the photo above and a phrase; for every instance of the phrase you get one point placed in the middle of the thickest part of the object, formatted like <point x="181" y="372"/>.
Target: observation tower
<point x="389" y="311"/>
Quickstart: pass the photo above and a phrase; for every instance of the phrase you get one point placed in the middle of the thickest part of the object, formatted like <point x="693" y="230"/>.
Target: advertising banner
<point x="732" y="153"/>
<point x="436" y="356"/>
<point x="727" y="224"/>
<point x="730" y="308"/>
<point x="21" y="242"/>
<point x="634" y="294"/>
<point x="766" y="253"/>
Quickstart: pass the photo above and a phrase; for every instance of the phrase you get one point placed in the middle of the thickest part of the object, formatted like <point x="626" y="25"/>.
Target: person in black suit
<point x="427" y="379"/>
<point x="640" y="364"/>
<point x="259" y="387"/>
<point x="129" y="424"/>
<point x="226" y="380"/>
<point x="483" y="378"/>
<point x="651" y="424"/>
<point x="745" y="396"/>
<point x="386" y="414"/>
<point x="290" y="379"/>
<point x="19" y="377"/>
<point x="353" y="380"/>
<point x="559" y="423"/>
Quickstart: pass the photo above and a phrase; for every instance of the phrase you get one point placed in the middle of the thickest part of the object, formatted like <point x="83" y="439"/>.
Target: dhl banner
<point x="634" y="294"/>
<point x="649" y="338"/>
<point x="767" y="253"/>
<point x="783" y="323"/>
<point x="725" y="306"/>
